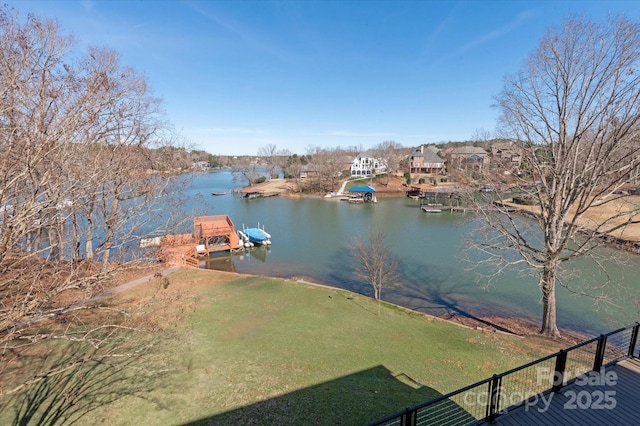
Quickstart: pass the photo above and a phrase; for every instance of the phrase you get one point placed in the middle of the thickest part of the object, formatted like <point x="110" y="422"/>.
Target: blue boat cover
<point x="362" y="189"/>
<point x="256" y="235"/>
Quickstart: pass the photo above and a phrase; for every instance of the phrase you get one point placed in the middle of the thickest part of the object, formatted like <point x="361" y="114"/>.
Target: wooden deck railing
<point x="190" y="258"/>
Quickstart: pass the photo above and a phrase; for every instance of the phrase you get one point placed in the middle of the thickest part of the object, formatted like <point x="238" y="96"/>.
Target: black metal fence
<point x="484" y="400"/>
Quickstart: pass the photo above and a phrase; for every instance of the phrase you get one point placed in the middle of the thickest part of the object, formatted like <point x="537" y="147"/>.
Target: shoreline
<point x="629" y="246"/>
<point x="486" y="323"/>
<point x="512" y="326"/>
<point x="286" y="189"/>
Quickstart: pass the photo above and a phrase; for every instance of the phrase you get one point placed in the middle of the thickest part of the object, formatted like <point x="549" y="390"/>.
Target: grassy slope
<point x="250" y="350"/>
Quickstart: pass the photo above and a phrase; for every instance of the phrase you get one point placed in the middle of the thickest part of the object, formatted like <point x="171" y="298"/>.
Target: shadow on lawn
<point x="357" y="398"/>
<point x="84" y="382"/>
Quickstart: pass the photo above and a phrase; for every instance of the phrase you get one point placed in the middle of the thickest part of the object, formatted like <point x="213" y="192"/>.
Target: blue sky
<point x="239" y="75"/>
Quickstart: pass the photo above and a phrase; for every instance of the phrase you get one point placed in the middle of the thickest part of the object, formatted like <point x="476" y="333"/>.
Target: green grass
<point x="357" y="181"/>
<point x="267" y="351"/>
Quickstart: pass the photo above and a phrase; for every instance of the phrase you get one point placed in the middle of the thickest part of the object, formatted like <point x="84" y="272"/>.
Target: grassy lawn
<point x="357" y="181"/>
<point x="251" y="350"/>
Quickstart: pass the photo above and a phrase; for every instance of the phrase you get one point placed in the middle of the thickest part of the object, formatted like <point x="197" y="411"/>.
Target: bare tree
<point x="268" y="154"/>
<point x="75" y="138"/>
<point x="390" y="154"/>
<point x="329" y="163"/>
<point x="281" y="158"/>
<point x="574" y="109"/>
<point x="375" y="262"/>
<point x="481" y="135"/>
<point x="292" y="166"/>
<point x="245" y="168"/>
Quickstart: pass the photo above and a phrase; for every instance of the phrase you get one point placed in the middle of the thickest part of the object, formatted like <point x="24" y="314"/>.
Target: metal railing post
<point x="599" y="358"/>
<point x="408" y="417"/>
<point x="558" y="377"/>
<point x="493" y="402"/>
<point x="634" y="340"/>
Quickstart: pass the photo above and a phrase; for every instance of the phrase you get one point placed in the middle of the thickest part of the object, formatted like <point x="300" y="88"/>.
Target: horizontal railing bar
<point x="436" y="400"/>
<point x="450" y="394"/>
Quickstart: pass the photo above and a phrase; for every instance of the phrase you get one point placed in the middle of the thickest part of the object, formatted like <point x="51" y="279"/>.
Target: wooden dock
<point x="178" y="250"/>
<point x="215" y="233"/>
<point x="210" y="234"/>
<point x="461" y="209"/>
<point x="432" y="208"/>
<point x="250" y="194"/>
<point x="437" y="208"/>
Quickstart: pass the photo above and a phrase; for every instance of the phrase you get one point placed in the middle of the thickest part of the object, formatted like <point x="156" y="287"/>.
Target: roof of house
<point x="468" y="150"/>
<point x="367" y="154"/>
<point x="417" y="153"/>
<point x="502" y="145"/>
<point x="430" y="154"/>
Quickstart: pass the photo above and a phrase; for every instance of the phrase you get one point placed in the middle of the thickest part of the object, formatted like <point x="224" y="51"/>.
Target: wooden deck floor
<point x="586" y="404"/>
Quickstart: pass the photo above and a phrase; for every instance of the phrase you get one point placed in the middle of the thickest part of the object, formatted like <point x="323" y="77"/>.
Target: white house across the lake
<point x="366" y="164"/>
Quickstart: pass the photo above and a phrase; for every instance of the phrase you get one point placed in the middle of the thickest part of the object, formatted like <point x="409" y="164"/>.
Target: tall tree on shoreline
<point x="330" y="163"/>
<point x="76" y="134"/>
<point x="374" y="262"/>
<point x="574" y="110"/>
<point x="269" y="155"/>
<point x="390" y="153"/>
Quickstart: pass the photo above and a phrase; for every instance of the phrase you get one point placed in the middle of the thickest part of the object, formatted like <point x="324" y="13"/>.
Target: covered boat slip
<point x="210" y="234"/>
<point x="362" y="194"/>
<point x="257" y="236"/>
<point x="215" y="233"/>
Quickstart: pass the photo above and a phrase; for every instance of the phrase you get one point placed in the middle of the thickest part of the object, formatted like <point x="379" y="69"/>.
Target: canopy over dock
<point x="210" y="234"/>
<point x="216" y="233"/>
<point x="363" y="189"/>
<point x="363" y="194"/>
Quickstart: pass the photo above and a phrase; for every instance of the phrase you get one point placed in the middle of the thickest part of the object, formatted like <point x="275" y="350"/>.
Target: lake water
<point x="311" y="239"/>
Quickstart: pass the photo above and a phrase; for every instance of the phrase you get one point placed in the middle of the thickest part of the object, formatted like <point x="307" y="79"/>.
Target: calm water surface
<point x="311" y="239"/>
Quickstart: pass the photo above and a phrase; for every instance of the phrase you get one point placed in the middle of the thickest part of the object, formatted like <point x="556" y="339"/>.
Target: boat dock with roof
<point x="362" y="194"/>
<point x="210" y="234"/>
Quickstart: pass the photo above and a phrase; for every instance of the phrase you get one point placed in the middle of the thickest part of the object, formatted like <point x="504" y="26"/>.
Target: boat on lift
<point x="244" y="240"/>
<point x="257" y="235"/>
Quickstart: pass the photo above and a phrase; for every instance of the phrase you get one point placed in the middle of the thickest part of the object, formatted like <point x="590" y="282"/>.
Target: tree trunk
<point x="54" y="248"/>
<point x="548" y="287"/>
<point x="76" y="236"/>
<point x="89" y="242"/>
<point x="90" y="206"/>
<point x="110" y="222"/>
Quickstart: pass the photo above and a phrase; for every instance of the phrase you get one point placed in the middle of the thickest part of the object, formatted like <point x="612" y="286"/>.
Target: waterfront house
<point x="309" y="171"/>
<point x="506" y="154"/>
<point x="469" y="158"/>
<point x="366" y="164"/>
<point x="425" y="160"/>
